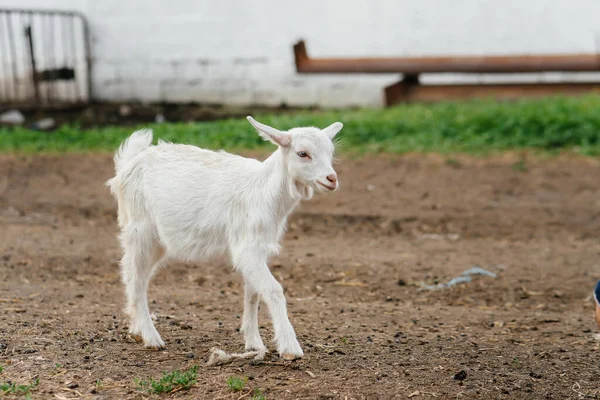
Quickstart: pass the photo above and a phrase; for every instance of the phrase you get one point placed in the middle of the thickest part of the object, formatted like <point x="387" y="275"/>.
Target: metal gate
<point x="44" y="58"/>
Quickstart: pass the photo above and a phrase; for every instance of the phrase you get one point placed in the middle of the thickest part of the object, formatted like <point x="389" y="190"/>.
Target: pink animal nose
<point x="332" y="178"/>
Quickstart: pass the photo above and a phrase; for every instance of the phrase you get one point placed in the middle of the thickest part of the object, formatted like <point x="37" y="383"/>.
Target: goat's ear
<point x="333" y="129"/>
<point x="271" y="134"/>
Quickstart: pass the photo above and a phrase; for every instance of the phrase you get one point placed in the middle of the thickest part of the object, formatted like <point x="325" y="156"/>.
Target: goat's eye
<point x="302" y="154"/>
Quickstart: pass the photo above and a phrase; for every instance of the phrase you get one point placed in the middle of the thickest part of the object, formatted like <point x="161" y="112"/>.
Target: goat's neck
<point x="282" y="192"/>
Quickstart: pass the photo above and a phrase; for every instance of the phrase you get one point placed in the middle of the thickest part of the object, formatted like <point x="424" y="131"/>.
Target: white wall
<point x="240" y="52"/>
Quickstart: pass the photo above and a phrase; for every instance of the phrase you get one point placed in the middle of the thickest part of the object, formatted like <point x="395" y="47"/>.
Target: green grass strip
<point x="551" y="124"/>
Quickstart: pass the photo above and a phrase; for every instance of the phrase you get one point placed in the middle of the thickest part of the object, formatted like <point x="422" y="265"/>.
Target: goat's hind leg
<point x="141" y="256"/>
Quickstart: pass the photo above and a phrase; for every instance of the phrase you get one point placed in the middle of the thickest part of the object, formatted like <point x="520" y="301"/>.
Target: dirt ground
<point x="352" y="266"/>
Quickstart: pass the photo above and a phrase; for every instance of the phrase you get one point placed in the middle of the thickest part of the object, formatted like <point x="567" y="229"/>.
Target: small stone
<point x="200" y="280"/>
<point x="535" y="375"/>
<point x="73" y="385"/>
<point x="12" y="117"/>
<point x="44" y="124"/>
<point x="460" y="375"/>
<point x="190" y="355"/>
<point x="125" y="110"/>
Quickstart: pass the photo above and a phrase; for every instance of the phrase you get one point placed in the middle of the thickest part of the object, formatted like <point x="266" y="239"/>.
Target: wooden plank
<point x="401" y="92"/>
<point x="454" y="64"/>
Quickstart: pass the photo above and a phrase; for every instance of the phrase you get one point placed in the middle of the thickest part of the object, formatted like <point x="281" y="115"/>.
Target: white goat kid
<point x="180" y="202"/>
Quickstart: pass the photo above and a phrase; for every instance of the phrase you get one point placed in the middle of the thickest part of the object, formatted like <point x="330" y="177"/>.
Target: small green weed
<point x="9" y="387"/>
<point x="170" y="382"/>
<point x="236" y="384"/>
<point x="347" y="340"/>
<point x="257" y="395"/>
<point x="57" y="368"/>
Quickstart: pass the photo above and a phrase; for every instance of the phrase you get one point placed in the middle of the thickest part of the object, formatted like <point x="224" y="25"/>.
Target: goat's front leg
<point x="253" y="266"/>
<point x="250" y="320"/>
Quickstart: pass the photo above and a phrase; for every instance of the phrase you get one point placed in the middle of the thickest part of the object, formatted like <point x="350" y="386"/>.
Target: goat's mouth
<point x="327" y="186"/>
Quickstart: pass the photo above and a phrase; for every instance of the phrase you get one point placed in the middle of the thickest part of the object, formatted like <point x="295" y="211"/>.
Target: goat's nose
<point x="332" y="178"/>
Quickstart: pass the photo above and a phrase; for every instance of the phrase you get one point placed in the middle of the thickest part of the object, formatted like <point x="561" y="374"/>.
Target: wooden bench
<point x="410" y="89"/>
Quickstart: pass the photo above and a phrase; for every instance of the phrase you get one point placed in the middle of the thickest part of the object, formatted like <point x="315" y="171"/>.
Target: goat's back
<point x="193" y="198"/>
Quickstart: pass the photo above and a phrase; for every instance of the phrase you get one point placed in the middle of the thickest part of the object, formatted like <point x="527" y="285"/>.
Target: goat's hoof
<point x="154" y="347"/>
<point x="136" y="337"/>
<point x="292" y="356"/>
<point x="156" y="343"/>
<point x="258" y="348"/>
<point x="290" y="350"/>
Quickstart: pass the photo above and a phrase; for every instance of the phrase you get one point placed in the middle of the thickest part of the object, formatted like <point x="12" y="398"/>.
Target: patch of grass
<point x="347" y="340"/>
<point x="170" y="382"/>
<point x="235" y="384"/>
<point x="257" y="395"/>
<point x="12" y="388"/>
<point x="57" y="368"/>
<point x="551" y="124"/>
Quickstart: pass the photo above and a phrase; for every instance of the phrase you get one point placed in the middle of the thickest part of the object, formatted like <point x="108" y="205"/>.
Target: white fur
<point x="180" y="202"/>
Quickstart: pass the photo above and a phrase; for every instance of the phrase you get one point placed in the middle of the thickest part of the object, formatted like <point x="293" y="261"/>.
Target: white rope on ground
<point x="220" y="357"/>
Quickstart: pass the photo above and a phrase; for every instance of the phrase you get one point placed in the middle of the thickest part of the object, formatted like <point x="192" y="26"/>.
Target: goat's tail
<point x="132" y="146"/>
